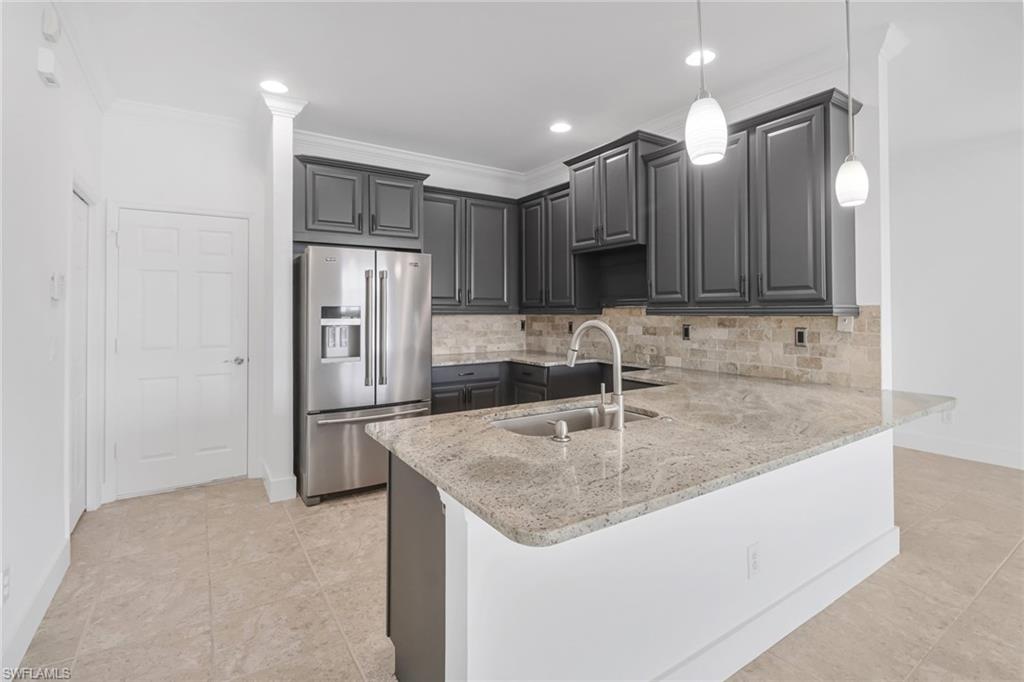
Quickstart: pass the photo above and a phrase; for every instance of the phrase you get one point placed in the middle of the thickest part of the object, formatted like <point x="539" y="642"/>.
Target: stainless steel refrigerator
<point x="362" y="349"/>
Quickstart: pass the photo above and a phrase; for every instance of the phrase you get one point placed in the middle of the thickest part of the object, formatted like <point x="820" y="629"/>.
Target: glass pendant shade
<point x="851" y="183"/>
<point x="706" y="133"/>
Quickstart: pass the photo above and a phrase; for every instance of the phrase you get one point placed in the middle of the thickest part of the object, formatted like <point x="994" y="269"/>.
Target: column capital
<point x="280" y="105"/>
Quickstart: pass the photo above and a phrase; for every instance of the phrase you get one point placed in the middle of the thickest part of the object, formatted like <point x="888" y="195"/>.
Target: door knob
<point x="236" y="361"/>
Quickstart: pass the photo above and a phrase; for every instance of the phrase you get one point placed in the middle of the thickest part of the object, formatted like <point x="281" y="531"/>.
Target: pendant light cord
<point x="700" y="49"/>
<point x="849" y="72"/>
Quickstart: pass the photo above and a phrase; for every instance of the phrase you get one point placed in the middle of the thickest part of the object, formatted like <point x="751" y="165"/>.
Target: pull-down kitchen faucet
<point x="617" y="407"/>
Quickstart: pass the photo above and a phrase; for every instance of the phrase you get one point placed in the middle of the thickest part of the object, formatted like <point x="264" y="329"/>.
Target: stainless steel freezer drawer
<point x="337" y="455"/>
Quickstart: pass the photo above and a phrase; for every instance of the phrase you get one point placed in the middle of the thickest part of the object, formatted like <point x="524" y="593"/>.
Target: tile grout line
<point x="209" y="579"/>
<point x="323" y="595"/>
<point x="964" y="610"/>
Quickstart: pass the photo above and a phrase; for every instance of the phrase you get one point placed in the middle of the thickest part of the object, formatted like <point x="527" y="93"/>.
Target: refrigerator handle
<point x="368" y="330"/>
<point x="382" y="334"/>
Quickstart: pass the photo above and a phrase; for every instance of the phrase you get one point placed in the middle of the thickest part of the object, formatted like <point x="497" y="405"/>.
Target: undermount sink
<point x="576" y="419"/>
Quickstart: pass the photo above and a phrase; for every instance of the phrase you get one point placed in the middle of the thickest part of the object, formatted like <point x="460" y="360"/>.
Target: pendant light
<point x="706" y="133"/>
<point x="852" y="179"/>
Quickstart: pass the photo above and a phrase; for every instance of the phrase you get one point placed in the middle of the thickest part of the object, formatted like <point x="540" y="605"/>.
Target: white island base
<point x="693" y="591"/>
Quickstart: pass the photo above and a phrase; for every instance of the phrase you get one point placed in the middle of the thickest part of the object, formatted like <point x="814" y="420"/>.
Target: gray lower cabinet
<point x="789" y="207"/>
<point x="607" y="194"/>
<point x="473" y="241"/>
<point x="351" y="204"/>
<point x="668" y="247"/>
<point x="523" y="392"/>
<point x="720" y="227"/>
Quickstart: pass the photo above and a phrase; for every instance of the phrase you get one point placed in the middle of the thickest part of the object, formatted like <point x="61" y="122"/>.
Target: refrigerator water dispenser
<point x="340" y="331"/>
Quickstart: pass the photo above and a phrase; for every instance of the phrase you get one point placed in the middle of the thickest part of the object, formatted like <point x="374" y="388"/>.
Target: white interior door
<point x="77" y="346"/>
<point x="181" y="349"/>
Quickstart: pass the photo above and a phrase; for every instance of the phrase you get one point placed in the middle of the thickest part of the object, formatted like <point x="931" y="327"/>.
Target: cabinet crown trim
<point x="467" y="195"/>
<point x="337" y="163"/>
<point x="635" y="136"/>
<point x="561" y="187"/>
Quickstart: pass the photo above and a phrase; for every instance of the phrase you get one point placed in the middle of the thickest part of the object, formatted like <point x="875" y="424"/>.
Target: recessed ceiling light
<point x="560" y="127"/>
<point x="694" y="58"/>
<point x="275" y="87"/>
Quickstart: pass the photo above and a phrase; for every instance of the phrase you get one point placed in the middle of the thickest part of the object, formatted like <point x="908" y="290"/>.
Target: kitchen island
<point x="731" y="511"/>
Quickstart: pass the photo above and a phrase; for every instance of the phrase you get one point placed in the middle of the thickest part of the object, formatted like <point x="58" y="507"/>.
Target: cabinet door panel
<point x="721" y="226"/>
<point x="560" y="265"/>
<point x="480" y="396"/>
<point x="584" y="209"/>
<point x="528" y="393"/>
<point x="789" y="213"/>
<point x="442" y="239"/>
<point x="532" y="253"/>
<point x="445" y="399"/>
<point x="668" y="247"/>
<point x="617" y="183"/>
<point x="334" y="199"/>
<point x="394" y="206"/>
<point x="487" y="253"/>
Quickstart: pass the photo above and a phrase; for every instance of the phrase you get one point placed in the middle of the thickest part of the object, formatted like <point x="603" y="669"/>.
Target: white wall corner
<point x="16" y="643"/>
<point x="278" y="488"/>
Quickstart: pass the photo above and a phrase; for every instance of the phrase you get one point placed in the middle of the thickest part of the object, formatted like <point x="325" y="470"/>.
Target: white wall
<point x="165" y="158"/>
<point x="51" y="141"/>
<point x="956" y="260"/>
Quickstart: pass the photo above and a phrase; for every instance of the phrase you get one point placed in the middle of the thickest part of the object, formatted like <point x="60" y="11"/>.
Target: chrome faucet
<point x="617" y="407"/>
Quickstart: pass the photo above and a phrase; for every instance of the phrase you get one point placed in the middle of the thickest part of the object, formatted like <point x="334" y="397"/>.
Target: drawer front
<point x="530" y="374"/>
<point x="465" y="373"/>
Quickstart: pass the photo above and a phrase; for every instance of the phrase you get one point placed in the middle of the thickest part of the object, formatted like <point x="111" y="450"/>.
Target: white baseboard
<point x="278" y="489"/>
<point x="953" y="447"/>
<point x="26" y="629"/>
<point x="717" y="661"/>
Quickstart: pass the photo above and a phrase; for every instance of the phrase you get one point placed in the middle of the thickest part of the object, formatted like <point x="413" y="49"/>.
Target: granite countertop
<point x="711" y="431"/>
<point x="526" y="357"/>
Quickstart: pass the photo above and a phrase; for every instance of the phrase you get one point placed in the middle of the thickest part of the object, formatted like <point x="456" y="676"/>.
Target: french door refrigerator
<point x="362" y="349"/>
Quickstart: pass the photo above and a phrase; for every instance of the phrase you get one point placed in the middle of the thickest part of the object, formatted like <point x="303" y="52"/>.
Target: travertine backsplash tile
<point x="757" y="345"/>
<point x="478" y="333"/>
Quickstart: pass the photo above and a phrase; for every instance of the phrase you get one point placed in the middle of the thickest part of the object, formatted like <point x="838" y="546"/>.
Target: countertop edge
<point x="562" y="534"/>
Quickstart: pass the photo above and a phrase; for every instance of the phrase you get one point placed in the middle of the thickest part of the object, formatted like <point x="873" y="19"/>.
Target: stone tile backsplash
<point x="757" y="345"/>
<point x="478" y="333"/>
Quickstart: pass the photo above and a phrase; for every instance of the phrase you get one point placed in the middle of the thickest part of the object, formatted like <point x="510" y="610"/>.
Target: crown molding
<point x="135" y="109"/>
<point x="282" y="105"/>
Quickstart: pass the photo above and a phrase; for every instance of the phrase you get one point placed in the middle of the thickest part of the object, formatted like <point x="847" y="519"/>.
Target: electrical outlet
<point x="7" y="582"/>
<point x="947" y="417"/>
<point x="570" y="327"/>
<point x="686" y="332"/>
<point x="522" y="325"/>
<point x="753" y="561"/>
<point x="800" y="336"/>
<point x="844" y="323"/>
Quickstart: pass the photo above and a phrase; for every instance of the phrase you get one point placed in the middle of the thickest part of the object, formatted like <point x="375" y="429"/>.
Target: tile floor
<point x="215" y="583"/>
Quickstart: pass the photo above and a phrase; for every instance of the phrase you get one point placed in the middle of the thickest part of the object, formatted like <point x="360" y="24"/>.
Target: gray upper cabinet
<point x="443" y="240"/>
<point x="617" y="170"/>
<point x="766" y="234"/>
<point x="560" y="266"/>
<point x="531" y="253"/>
<point x="668" y="241"/>
<point x="489" y="244"/>
<point x="789" y="207"/>
<point x="473" y="241"/>
<point x="337" y="202"/>
<point x="607" y="190"/>
<point x="720" y="227"/>
<point x="584" y="209"/>
<point x="395" y="206"/>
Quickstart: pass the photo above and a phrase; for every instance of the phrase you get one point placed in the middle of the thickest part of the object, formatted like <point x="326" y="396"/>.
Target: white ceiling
<point x="474" y="82"/>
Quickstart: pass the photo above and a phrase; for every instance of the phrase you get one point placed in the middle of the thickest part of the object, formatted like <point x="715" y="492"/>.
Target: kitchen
<point x="619" y="386"/>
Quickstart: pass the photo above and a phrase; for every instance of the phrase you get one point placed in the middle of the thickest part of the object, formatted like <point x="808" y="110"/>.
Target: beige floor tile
<point x="175" y="561"/>
<point x="279" y="636"/>
<point x="184" y="500"/>
<point x="317" y="530"/>
<point x="165" y="658"/>
<point x="297" y="509"/>
<point x="159" y="531"/>
<point x="350" y="559"/>
<point x="239" y="546"/>
<point x="57" y="637"/>
<point x="770" y="668"/>
<point x="180" y="606"/>
<point x="244" y="492"/>
<point x="285" y="575"/>
<point x="78" y="590"/>
<point x="913" y="506"/>
<point x="360" y="607"/>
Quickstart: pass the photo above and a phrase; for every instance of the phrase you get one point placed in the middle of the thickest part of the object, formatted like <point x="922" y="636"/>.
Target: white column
<point x="278" y="473"/>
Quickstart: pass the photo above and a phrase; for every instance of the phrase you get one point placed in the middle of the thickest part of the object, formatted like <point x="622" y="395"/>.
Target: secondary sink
<point x="576" y="419"/>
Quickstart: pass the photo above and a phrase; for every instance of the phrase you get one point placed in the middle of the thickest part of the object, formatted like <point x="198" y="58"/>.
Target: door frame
<point x="107" y="464"/>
